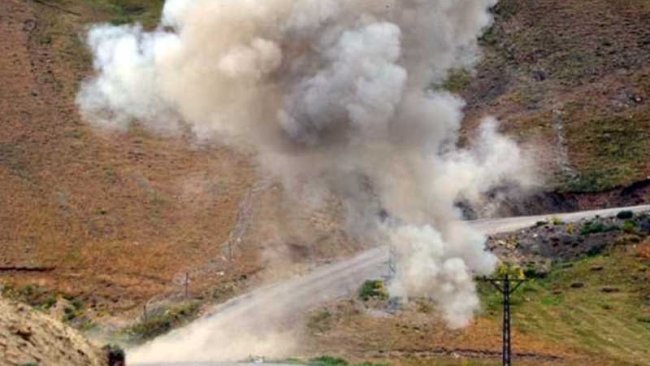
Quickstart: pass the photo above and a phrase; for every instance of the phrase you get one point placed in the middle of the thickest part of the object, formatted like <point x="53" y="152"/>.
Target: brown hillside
<point x="572" y="77"/>
<point x="119" y="219"/>
<point x="116" y="217"/>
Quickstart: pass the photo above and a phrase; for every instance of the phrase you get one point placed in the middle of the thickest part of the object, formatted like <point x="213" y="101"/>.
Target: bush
<point x="596" y="250"/>
<point x="535" y="272"/>
<point x="595" y="227"/>
<point x="625" y="215"/>
<point x="629" y="226"/>
<point x="328" y="361"/>
<point x="592" y="228"/>
<point x="373" y="289"/>
<point x="31" y="294"/>
<point x="570" y="228"/>
<point x="163" y="322"/>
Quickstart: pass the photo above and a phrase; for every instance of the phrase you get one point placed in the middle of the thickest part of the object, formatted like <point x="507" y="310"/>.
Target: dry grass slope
<point x="118" y="217"/>
<point x="572" y="78"/>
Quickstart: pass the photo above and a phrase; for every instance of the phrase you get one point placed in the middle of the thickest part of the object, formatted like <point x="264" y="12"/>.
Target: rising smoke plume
<point x="334" y="97"/>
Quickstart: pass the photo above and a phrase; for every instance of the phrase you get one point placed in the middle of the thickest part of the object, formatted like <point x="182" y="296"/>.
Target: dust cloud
<point x="334" y="97"/>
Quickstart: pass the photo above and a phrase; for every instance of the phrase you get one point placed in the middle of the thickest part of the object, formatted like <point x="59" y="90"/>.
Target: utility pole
<point x="506" y="286"/>
<point x="392" y="267"/>
<point x="187" y="284"/>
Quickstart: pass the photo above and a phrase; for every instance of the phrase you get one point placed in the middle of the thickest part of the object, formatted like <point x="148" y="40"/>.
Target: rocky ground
<point x="552" y="241"/>
<point x="29" y="337"/>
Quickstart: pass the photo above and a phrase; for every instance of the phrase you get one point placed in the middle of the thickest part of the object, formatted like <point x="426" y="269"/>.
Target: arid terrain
<point x="107" y="230"/>
<point x="28" y="336"/>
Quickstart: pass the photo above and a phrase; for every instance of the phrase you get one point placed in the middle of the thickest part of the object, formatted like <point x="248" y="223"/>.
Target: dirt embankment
<point x="30" y="337"/>
<point x="541" y="203"/>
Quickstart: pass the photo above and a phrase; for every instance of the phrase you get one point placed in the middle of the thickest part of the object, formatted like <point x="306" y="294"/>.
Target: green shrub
<point x="373" y="289"/>
<point x="625" y="215"/>
<point x="69" y="314"/>
<point x="164" y="321"/>
<point x="328" y="361"/>
<point x="34" y="295"/>
<point x="629" y="226"/>
<point x="534" y="272"/>
<point x="595" y="227"/>
<point x="49" y="302"/>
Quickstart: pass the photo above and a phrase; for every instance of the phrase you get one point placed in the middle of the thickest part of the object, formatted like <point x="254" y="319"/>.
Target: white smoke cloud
<point x="334" y="96"/>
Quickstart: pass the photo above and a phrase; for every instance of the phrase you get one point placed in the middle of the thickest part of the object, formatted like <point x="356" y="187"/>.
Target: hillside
<point x="118" y="220"/>
<point x="112" y="218"/>
<point x="573" y="78"/>
<point x="30" y="338"/>
<point x="588" y="307"/>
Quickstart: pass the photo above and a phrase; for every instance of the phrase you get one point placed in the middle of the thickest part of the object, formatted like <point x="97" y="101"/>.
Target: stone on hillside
<point x="609" y="290"/>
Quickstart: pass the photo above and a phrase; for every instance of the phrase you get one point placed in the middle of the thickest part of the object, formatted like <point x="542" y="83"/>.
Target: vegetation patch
<point x="146" y="12"/>
<point x="328" y="361"/>
<point x="612" y="325"/>
<point x="373" y="289"/>
<point x="34" y="295"/>
<point x="163" y="321"/>
<point x="609" y="151"/>
<point x="337" y="361"/>
<point x="596" y="227"/>
<point x="320" y="321"/>
<point x="625" y="215"/>
<point x="457" y="80"/>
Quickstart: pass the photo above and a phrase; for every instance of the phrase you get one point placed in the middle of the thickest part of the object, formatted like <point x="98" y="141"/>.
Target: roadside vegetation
<point x="162" y="321"/>
<point x="373" y="289"/>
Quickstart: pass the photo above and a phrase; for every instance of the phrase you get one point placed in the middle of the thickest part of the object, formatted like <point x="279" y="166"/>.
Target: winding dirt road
<point x="262" y="322"/>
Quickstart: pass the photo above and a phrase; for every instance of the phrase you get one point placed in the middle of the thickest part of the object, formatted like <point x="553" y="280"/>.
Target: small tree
<point x="513" y="271"/>
<point x="373" y="289"/>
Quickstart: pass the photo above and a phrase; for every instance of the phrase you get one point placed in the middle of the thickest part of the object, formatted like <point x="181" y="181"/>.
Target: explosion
<point x="334" y="97"/>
